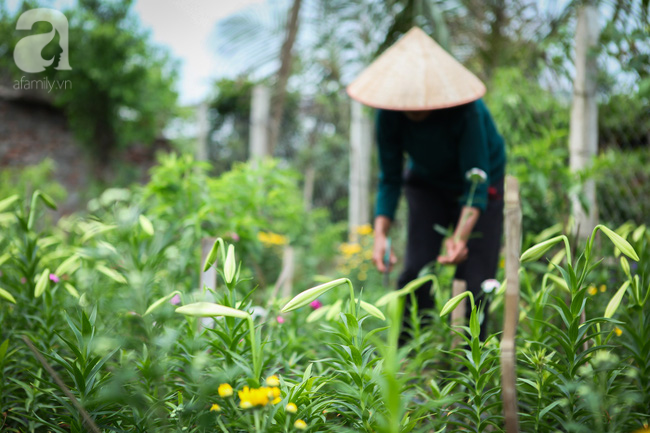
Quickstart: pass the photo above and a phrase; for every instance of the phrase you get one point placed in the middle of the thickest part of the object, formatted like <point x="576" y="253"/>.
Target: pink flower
<point x="175" y="300"/>
<point x="315" y="305"/>
<point x="54" y="278"/>
<point x="234" y="236"/>
<point x="23" y="280"/>
<point x="280" y="319"/>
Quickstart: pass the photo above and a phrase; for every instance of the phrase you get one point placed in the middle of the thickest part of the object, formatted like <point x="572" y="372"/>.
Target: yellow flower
<point x="291" y="408"/>
<point x="225" y="390"/>
<point x="645" y="429"/>
<point x="592" y="290"/>
<point x="276" y="400"/>
<point x="245" y="404"/>
<point x="255" y="396"/>
<point x="364" y="230"/>
<point x="215" y="408"/>
<point x="300" y="424"/>
<point x="603" y="288"/>
<point x="273" y="380"/>
<point x="274" y="392"/>
<point x="502" y="263"/>
<point x="269" y="238"/>
<point x="350" y="249"/>
<point x="618" y="331"/>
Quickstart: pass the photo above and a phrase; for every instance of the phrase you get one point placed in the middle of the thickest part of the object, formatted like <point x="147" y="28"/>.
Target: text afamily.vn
<point x="44" y="84"/>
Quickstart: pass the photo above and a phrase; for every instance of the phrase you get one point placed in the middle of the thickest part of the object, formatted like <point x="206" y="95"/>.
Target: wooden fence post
<point x="259" y="121"/>
<point x="583" y="137"/>
<point x="511" y="316"/>
<point x="208" y="278"/>
<point x="458" y="314"/>
<point x="360" y="148"/>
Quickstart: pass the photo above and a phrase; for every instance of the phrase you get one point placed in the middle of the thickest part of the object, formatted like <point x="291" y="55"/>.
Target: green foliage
<point x="120" y="88"/>
<point x="534" y="125"/>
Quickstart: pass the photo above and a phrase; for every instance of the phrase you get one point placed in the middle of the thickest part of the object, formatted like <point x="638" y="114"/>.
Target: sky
<point x="185" y="27"/>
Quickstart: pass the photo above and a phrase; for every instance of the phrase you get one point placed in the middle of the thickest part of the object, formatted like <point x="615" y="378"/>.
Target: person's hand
<point x="456" y="252"/>
<point x="379" y="252"/>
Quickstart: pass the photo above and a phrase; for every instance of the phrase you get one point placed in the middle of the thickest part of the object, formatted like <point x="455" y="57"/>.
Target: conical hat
<point x="415" y="73"/>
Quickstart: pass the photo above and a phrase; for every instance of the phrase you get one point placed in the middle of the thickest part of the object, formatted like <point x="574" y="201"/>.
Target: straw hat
<point x="415" y="73"/>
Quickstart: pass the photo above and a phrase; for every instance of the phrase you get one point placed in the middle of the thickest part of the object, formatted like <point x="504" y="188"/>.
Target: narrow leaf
<point x="146" y="225"/>
<point x="5" y="203"/>
<point x="111" y="273"/>
<point x="41" y="284"/>
<point x="6" y="295"/>
<point x="613" y="304"/>
<point x="161" y="301"/>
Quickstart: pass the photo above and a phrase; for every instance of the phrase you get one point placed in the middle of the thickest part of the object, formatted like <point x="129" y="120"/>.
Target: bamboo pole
<point x="511" y="316"/>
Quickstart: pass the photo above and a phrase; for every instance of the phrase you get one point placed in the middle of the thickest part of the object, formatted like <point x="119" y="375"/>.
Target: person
<point x="430" y="110"/>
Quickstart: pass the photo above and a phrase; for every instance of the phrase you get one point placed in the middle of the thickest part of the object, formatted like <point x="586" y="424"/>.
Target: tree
<point x="121" y="85"/>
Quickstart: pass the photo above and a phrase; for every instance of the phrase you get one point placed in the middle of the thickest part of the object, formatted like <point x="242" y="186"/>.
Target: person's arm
<point x="456" y="246"/>
<point x="474" y="153"/>
<point x="391" y="161"/>
<point x="381" y="229"/>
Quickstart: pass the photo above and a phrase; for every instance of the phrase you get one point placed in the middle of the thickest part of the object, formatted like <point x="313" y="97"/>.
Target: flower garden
<point x="128" y="341"/>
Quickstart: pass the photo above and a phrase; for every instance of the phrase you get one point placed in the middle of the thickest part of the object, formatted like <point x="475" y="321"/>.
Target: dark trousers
<point x="428" y="207"/>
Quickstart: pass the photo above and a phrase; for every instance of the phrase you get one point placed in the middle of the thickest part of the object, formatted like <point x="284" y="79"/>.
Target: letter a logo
<point x="27" y="53"/>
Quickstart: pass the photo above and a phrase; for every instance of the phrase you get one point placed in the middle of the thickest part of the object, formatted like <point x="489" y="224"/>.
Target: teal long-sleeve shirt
<point x="441" y="148"/>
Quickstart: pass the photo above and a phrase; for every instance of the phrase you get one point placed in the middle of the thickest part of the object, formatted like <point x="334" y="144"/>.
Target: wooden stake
<point x="511" y="316"/>
<point x="88" y="421"/>
<point x="458" y="314"/>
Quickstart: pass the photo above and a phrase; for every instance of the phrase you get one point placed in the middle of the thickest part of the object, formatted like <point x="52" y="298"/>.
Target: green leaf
<point x="613" y="304"/>
<point x="334" y="310"/>
<point x="70" y="288"/>
<point x="209" y="309"/>
<point x="69" y="265"/>
<point x="146" y="225"/>
<point x="111" y="273"/>
<point x="4" y="258"/>
<point x="305" y="297"/>
<point x="160" y="301"/>
<point x="41" y="284"/>
<point x="5" y="203"/>
<point x="6" y="295"/>
<point x="317" y="314"/>
<point x="454" y="302"/>
<point x="3" y="350"/>
<point x="537" y="251"/>
<point x="618" y="241"/>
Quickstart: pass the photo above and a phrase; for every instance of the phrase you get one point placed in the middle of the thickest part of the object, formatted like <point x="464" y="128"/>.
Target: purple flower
<point x="54" y="278"/>
<point x="315" y="305"/>
<point x="175" y="300"/>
